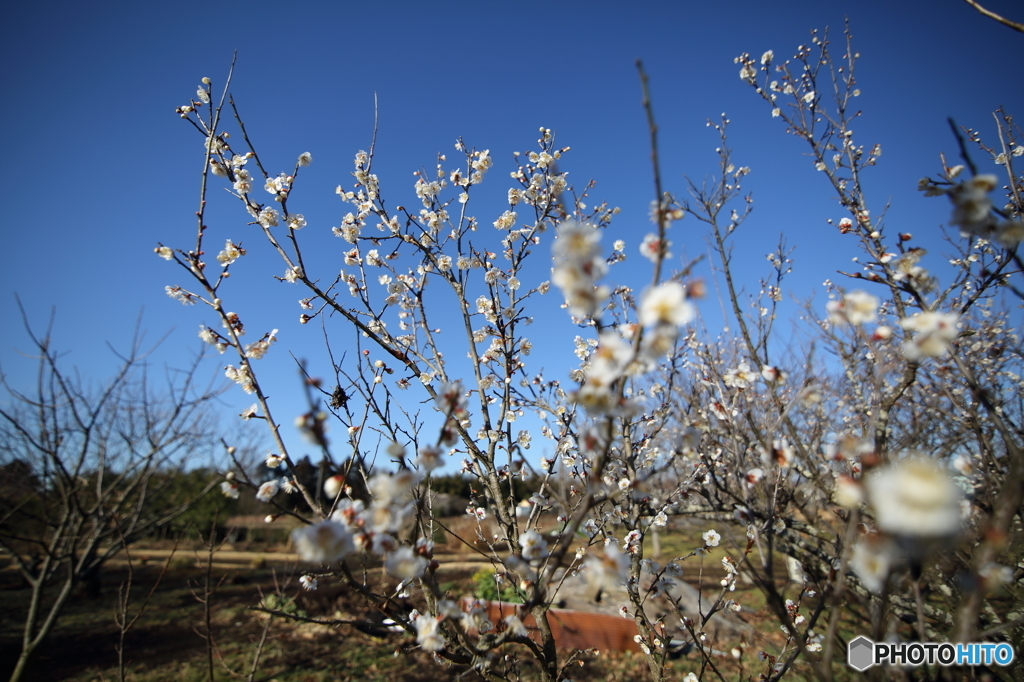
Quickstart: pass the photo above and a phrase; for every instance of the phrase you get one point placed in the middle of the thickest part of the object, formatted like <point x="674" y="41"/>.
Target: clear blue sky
<point x="97" y="168"/>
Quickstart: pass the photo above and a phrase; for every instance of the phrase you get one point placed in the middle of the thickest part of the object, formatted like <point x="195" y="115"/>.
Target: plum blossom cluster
<point x="578" y="267"/>
<point x="355" y="526"/>
<point x="973" y="210"/>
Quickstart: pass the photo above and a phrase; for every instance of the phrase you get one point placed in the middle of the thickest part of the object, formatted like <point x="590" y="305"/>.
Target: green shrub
<point x="485" y="586"/>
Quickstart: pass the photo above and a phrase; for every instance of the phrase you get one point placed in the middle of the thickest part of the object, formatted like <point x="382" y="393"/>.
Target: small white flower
<point x="308" y="582"/>
<point x="268" y="217"/>
<point x="534" y="546"/>
<point x="711" y="538"/>
<point x="268" y="490"/>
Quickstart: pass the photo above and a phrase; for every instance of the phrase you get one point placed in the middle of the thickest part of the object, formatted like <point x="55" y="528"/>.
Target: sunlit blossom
<point x="666" y="304"/>
<point x="932" y="333"/>
<point x="914" y="497"/>
<point x="855" y="307"/>
<point x="323" y="542"/>
<point x="711" y="538"/>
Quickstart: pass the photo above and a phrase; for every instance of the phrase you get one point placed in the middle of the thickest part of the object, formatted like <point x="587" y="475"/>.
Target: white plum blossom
<point x="428" y="632"/>
<point x="230" y="489"/>
<point x="666" y="304"/>
<point x="506" y="220"/>
<point x="308" y="582"/>
<point x="180" y="295"/>
<point x="241" y="376"/>
<point x="855" y="307"/>
<point x="652" y="248"/>
<point x="230" y="254"/>
<point x="430" y="457"/>
<point x="268" y="490"/>
<point x="534" y="545"/>
<point x="872" y="560"/>
<point x="279" y="185"/>
<point x="323" y="542"/>
<point x="711" y="538"/>
<point x="740" y="377"/>
<point x="258" y="349"/>
<point x="932" y="333"/>
<point x="405" y="564"/>
<point x="268" y="217"/>
<point x="914" y="497"/>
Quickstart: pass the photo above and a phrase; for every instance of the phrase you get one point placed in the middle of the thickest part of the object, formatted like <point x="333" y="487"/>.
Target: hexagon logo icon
<point x="860" y="653"/>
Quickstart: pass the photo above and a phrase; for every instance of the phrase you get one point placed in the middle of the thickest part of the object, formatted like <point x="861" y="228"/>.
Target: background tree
<point x="91" y="469"/>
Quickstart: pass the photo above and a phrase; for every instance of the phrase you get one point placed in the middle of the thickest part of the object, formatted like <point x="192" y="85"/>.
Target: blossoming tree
<point x="860" y="473"/>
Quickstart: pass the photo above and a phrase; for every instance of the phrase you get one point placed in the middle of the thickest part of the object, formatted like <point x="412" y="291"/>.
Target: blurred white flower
<point x="515" y="626"/>
<point x="856" y="307"/>
<point x="323" y="542"/>
<point x="430" y="457"/>
<point x="932" y="333"/>
<point x="405" y="564"/>
<point x="653" y="248"/>
<point x="972" y="207"/>
<point x="848" y="492"/>
<point x="873" y="558"/>
<point x="534" y="546"/>
<point x="428" y="634"/>
<point x="914" y="497"/>
<point x="333" y="486"/>
<point x="666" y="304"/>
<point x="608" y="572"/>
<point x="268" y="490"/>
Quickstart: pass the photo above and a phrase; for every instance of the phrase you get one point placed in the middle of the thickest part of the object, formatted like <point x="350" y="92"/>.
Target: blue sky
<point x="98" y="168"/>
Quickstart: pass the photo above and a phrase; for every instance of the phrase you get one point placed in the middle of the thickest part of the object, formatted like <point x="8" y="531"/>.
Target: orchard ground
<point x="167" y="643"/>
